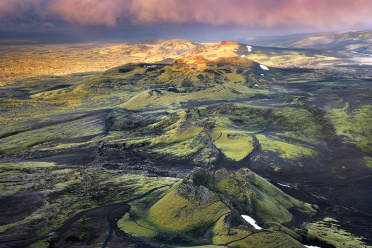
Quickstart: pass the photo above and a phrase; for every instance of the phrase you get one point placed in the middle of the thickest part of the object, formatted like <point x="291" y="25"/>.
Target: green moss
<point x="181" y="149"/>
<point x="45" y="243"/>
<point x="241" y="237"/>
<point x="18" y="177"/>
<point x="227" y="91"/>
<point x="141" y="183"/>
<point x="184" y="134"/>
<point x="150" y="98"/>
<point x="289" y="232"/>
<point x="181" y="211"/>
<point x="355" y="127"/>
<point x="297" y="123"/>
<point x="328" y="219"/>
<point x="62" y="172"/>
<point x="235" y="146"/>
<point x="270" y="203"/>
<point x="201" y="246"/>
<point x="61" y="146"/>
<point x="138" y="143"/>
<point x="232" y="186"/>
<point x="368" y="161"/>
<point x="25" y="165"/>
<point x="71" y="190"/>
<point x="203" y="200"/>
<point x="267" y="240"/>
<point x="285" y="150"/>
<point x="76" y="179"/>
<point x="88" y="126"/>
<point x="138" y="228"/>
<point x="223" y="233"/>
<point x="329" y="231"/>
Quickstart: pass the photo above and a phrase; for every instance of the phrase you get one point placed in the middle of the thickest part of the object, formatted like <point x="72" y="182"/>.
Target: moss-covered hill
<point x="194" y="73"/>
<point x="207" y="208"/>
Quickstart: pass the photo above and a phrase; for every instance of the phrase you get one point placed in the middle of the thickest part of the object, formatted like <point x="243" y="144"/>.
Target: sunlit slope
<point x="269" y="56"/>
<point x="18" y="62"/>
<point x="211" y="52"/>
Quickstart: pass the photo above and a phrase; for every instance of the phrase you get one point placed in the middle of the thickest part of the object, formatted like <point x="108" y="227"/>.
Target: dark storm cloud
<point x="91" y="12"/>
<point x="23" y="11"/>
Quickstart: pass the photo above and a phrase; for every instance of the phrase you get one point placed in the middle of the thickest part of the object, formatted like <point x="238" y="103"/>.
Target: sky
<point x="196" y="20"/>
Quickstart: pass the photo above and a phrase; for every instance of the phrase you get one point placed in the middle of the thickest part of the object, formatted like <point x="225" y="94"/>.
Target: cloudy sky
<point x="191" y="19"/>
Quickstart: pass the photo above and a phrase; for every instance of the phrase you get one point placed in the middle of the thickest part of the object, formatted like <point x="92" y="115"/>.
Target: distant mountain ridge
<point x="337" y="41"/>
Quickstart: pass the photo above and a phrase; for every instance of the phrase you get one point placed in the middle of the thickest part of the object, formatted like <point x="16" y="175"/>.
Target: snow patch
<point x="251" y="221"/>
<point x="264" y="67"/>
<point x="311" y="246"/>
<point x="284" y="185"/>
<point x="249" y="48"/>
<point x="51" y="234"/>
<point x="243" y="56"/>
<point x="262" y="74"/>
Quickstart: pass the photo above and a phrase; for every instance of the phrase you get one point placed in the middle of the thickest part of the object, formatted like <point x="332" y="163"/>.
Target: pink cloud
<point x="322" y="13"/>
<point x="265" y="13"/>
<point x="249" y="13"/>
